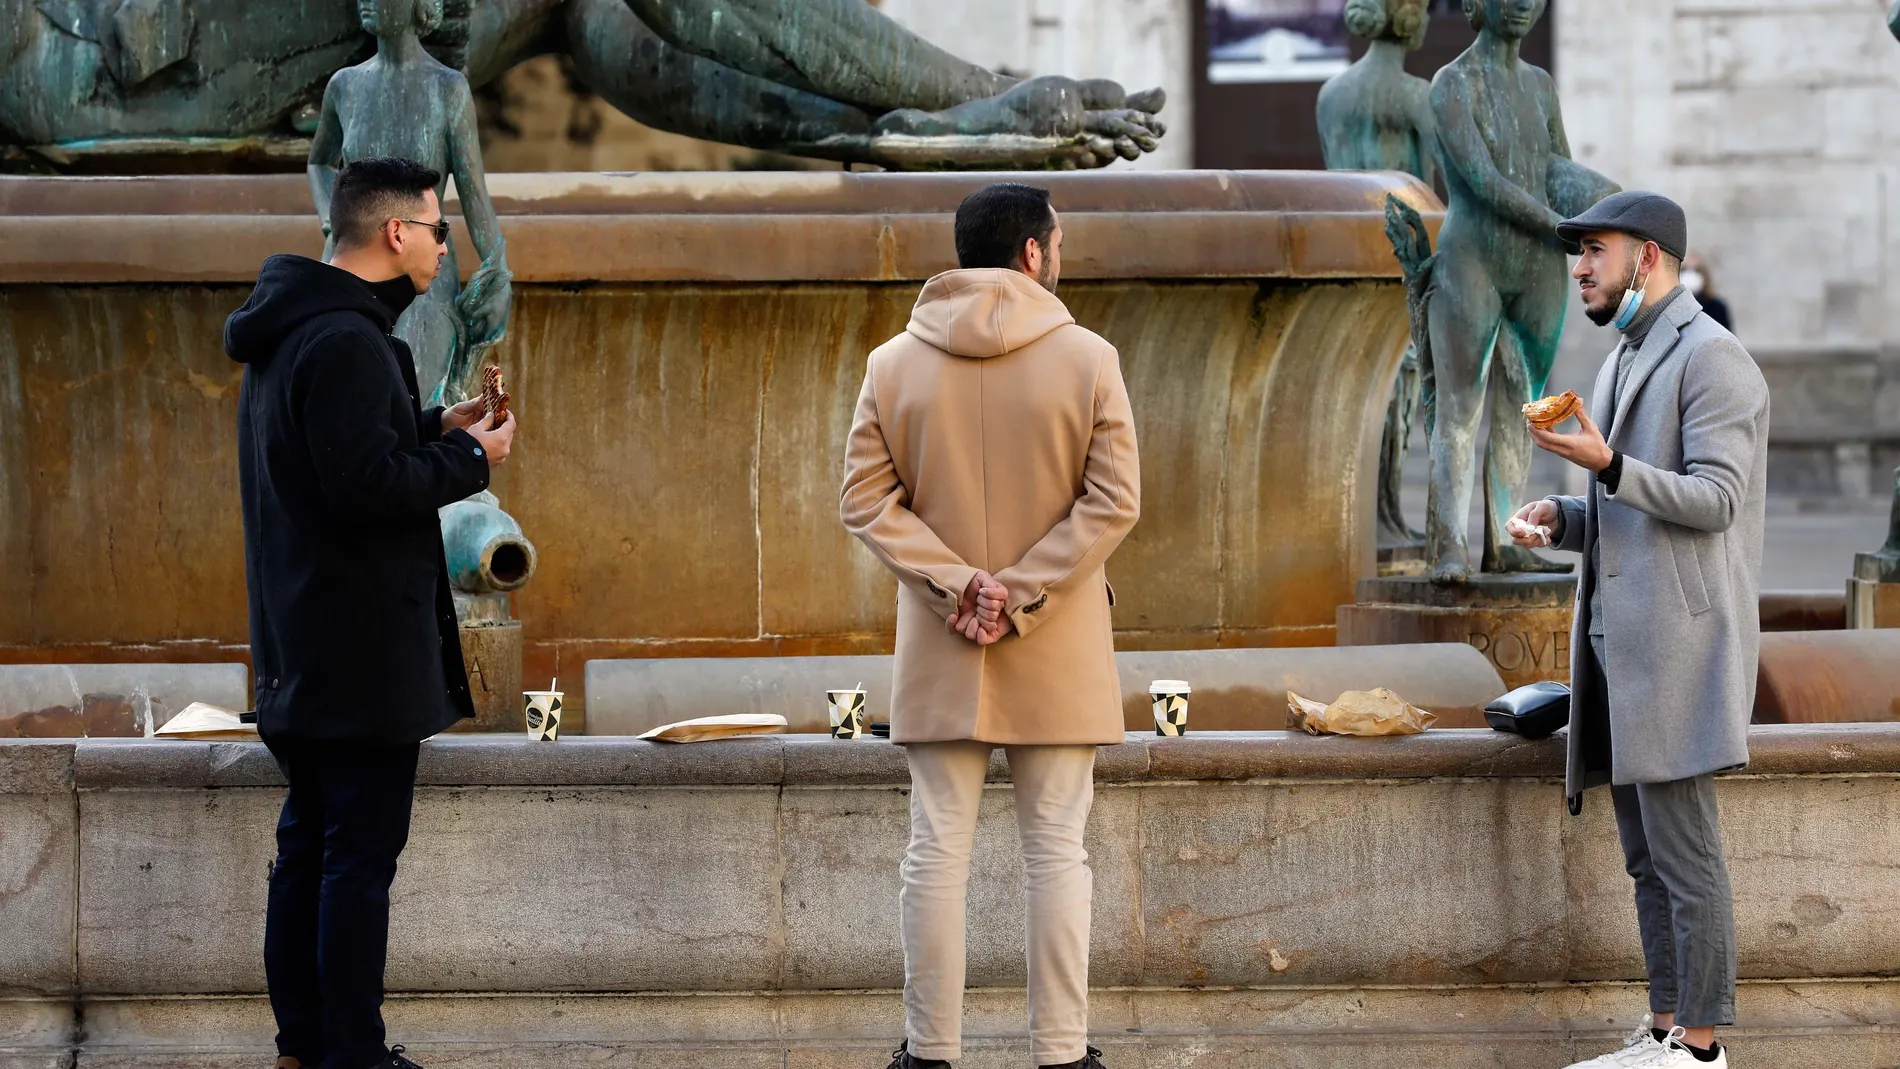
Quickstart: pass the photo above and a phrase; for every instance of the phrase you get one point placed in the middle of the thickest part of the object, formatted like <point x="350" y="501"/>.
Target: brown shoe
<point x="287" y="1062"/>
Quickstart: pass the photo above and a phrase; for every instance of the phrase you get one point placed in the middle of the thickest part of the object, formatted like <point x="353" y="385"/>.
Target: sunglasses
<point x="441" y="229"/>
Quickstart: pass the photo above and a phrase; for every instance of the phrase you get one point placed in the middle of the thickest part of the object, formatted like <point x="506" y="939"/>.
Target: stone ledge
<point x="565" y="228"/>
<point x="37" y="766"/>
<point x="740" y="193"/>
<point x="43" y="766"/>
<point x="1144" y="1028"/>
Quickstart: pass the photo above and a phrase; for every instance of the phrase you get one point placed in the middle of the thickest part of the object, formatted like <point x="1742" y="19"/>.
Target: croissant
<point x="1547" y="413"/>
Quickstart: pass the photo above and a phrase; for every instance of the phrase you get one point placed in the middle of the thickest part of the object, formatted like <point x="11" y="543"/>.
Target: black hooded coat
<point x="353" y="631"/>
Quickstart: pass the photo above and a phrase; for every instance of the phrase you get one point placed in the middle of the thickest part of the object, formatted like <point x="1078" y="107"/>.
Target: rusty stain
<point x="887" y="252"/>
<point x="207" y="386"/>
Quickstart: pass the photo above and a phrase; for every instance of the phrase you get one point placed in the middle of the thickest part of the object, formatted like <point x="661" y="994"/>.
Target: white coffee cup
<point x="1170" y="699"/>
<point x="543" y="713"/>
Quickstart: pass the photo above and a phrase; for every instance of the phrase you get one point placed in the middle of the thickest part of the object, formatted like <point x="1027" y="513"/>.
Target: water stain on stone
<point x="1815" y="911"/>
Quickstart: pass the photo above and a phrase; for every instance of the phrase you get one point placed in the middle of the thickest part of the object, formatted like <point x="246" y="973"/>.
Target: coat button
<point x="275" y="683"/>
<point x="478" y="450"/>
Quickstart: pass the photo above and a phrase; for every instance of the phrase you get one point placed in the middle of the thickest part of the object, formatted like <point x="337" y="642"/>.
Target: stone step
<point x="1797" y="1024"/>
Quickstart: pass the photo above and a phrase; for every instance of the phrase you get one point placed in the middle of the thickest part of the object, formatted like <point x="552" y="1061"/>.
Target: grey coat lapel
<point x="1657" y="346"/>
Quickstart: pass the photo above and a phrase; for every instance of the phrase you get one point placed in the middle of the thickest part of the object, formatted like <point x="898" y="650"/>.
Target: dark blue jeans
<point x="345" y="821"/>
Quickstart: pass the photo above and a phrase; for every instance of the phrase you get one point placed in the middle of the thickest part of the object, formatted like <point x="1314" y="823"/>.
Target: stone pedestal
<point x="491" y="649"/>
<point x="1872" y="604"/>
<point x="1521" y="622"/>
<point x="1873" y="592"/>
<point x="1402" y="559"/>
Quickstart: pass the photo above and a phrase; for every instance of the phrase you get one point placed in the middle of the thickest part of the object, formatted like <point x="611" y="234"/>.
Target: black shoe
<point x="1091" y="1060"/>
<point x="901" y="1058"/>
<point x="396" y="1060"/>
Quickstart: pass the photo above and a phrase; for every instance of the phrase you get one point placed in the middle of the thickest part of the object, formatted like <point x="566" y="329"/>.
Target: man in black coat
<point x="354" y="642"/>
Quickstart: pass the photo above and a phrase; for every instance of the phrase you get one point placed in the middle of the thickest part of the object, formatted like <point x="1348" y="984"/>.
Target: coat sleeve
<point x="1081" y="542"/>
<point x="1570" y="523"/>
<point x="875" y="508"/>
<point x="343" y="405"/>
<point x="429" y="424"/>
<point x="1724" y="409"/>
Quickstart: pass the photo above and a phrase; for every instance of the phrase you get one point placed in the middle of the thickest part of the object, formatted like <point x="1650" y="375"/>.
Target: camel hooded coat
<point x="995" y="434"/>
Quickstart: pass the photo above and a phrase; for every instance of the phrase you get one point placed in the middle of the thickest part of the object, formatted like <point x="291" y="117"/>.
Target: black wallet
<point x="1534" y="712"/>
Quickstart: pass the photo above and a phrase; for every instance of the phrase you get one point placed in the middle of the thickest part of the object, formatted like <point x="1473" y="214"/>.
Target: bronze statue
<point x="832" y="79"/>
<point x="403" y="102"/>
<point x="1375" y="117"/>
<point x="1498" y="287"/>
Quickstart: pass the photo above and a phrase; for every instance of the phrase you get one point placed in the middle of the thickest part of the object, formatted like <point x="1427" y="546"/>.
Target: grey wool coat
<point x="1680" y="546"/>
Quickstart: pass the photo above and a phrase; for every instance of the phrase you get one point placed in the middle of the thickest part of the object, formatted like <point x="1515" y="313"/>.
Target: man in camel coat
<point x="992" y="467"/>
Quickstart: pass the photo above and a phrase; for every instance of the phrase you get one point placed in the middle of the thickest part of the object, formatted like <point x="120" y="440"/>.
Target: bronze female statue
<point x="832" y="79"/>
<point x="1376" y="117"/>
<point x="402" y="102"/>
<point x="1499" y="285"/>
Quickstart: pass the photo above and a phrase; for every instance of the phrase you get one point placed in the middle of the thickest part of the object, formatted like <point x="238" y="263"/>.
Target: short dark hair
<point x="373" y="191"/>
<point x="994" y="222"/>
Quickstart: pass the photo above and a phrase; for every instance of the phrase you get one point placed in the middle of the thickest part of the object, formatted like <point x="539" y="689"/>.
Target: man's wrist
<point x="1612" y="473"/>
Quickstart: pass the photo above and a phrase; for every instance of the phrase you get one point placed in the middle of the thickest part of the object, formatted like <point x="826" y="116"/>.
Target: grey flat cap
<point x="1649" y="216"/>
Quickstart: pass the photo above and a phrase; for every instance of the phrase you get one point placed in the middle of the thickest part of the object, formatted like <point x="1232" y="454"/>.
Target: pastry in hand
<point x="1546" y="414"/>
<point x="494" y="397"/>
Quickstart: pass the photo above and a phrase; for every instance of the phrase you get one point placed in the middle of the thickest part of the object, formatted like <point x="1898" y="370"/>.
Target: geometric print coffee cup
<point x="846" y="708"/>
<point x="1170" y="698"/>
<point x="543" y="713"/>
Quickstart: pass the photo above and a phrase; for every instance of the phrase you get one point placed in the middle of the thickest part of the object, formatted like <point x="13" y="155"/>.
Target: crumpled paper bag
<point x="1358" y="712"/>
<point x="711" y="728"/>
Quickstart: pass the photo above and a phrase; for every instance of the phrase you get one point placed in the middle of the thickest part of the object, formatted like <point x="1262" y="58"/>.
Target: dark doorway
<point x="1270" y="125"/>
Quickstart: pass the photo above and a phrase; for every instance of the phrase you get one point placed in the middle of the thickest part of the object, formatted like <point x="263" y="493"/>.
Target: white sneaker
<point x="1674" y="1054"/>
<point x="1637" y="1047"/>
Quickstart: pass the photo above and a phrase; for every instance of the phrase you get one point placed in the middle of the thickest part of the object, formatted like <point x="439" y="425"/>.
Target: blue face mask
<point x="1632" y="300"/>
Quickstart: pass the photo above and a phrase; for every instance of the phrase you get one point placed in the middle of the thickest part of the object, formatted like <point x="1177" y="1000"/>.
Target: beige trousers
<point x="1054" y="785"/>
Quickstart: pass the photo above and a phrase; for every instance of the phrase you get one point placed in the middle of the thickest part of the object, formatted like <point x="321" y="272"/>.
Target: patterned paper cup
<point x="847" y="713"/>
<point x="543" y="714"/>
<point x="1170" y="697"/>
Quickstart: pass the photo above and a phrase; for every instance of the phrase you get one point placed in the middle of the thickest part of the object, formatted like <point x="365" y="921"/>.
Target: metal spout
<point x="487" y="552"/>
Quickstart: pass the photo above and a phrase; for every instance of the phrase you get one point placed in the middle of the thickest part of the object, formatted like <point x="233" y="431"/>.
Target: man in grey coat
<point x="1667" y="634"/>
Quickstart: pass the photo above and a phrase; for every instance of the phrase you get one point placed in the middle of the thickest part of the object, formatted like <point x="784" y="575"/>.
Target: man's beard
<point x="1602" y="317"/>
<point x="1046" y="274"/>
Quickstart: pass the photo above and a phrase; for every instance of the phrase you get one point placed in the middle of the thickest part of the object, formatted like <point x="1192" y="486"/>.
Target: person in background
<point x="1696" y="279"/>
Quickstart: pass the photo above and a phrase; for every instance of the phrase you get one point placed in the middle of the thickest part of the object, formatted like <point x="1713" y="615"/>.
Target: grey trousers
<point x="1672" y="846"/>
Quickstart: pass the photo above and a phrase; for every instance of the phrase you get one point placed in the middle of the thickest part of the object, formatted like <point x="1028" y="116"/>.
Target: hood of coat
<point x="292" y="290"/>
<point x="980" y="313"/>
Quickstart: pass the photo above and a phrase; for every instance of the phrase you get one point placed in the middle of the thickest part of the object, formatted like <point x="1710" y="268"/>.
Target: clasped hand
<point x="979" y="616"/>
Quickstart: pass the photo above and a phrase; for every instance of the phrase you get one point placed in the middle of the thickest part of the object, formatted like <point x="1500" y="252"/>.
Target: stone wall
<point x="1259" y="899"/>
<point x="1772" y="121"/>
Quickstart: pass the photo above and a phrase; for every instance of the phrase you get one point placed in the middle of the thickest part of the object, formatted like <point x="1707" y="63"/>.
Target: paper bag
<point x="201" y="721"/>
<point x="711" y="728"/>
<point x="1358" y="712"/>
